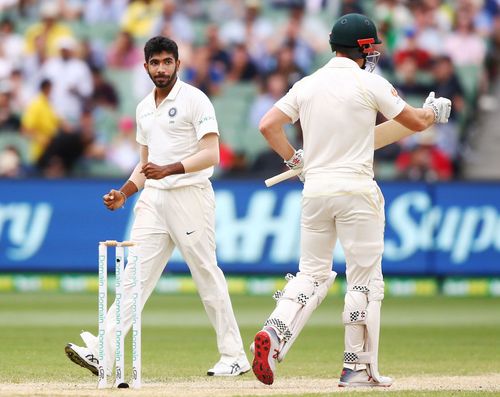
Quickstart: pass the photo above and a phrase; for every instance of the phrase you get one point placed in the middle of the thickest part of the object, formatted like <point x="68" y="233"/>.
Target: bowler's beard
<point x="167" y="82"/>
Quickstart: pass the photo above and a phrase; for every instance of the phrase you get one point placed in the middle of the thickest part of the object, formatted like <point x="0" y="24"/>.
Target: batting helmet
<point x="349" y="29"/>
<point x="353" y="35"/>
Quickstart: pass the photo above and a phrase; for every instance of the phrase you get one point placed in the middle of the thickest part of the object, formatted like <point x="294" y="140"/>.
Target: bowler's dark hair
<point x="159" y="44"/>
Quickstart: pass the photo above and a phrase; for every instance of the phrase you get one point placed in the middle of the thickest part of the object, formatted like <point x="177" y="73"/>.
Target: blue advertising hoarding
<point x="438" y="229"/>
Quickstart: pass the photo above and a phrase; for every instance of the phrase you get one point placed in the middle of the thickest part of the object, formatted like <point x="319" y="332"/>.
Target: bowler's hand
<point x="113" y="200"/>
<point x="153" y="171"/>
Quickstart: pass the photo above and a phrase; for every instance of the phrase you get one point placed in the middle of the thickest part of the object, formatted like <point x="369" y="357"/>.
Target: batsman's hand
<point x="297" y="163"/>
<point x="113" y="200"/>
<point x="440" y="106"/>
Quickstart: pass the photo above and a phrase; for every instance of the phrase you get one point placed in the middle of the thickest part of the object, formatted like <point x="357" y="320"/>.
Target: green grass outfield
<point x="424" y="340"/>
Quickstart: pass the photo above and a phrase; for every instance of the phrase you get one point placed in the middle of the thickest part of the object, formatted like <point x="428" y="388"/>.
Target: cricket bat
<point x="281" y="177"/>
<point x="385" y="134"/>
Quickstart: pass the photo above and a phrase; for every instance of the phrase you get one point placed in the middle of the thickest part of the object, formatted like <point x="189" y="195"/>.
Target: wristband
<point x="124" y="198"/>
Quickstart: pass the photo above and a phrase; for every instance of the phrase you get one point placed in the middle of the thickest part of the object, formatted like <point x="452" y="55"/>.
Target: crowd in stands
<point x="71" y="74"/>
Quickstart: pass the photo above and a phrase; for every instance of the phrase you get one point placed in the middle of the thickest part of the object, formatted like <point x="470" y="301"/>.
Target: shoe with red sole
<point x="266" y="352"/>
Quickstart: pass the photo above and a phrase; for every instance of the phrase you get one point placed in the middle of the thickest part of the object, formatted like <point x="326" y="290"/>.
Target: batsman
<point x="337" y="106"/>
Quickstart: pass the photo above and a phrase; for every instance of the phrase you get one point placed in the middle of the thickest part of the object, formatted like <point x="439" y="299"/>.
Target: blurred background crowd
<point x="71" y="74"/>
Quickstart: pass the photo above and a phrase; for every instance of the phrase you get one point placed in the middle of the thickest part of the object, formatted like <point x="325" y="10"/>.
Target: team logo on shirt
<point x="172" y="112"/>
<point x="394" y="92"/>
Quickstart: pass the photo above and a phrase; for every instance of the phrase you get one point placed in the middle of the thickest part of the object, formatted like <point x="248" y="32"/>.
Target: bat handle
<point x="281" y="177"/>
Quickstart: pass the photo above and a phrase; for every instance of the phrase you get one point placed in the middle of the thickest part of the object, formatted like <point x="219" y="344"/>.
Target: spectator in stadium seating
<point x="267" y="162"/>
<point x="303" y="53"/>
<point x="71" y="10"/>
<point x="69" y="148"/>
<point x="104" y="11"/>
<point x="204" y="74"/>
<point x="10" y="163"/>
<point x="272" y="88"/>
<point x="409" y="48"/>
<point x="9" y="121"/>
<point x="123" y="53"/>
<point x="193" y="9"/>
<point x="243" y="69"/>
<point x="254" y="30"/>
<point x="425" y="162"/>
<point x="429" y="31"/>
<point x="140" y="16"/>
<point x="219" y="56"/>
<point x="344" y="7"/>
<point x="226" y="157"/>
<point x="464" y="45"/>
<point x="104" y="93"/>
<point x="71" y="79"/>
<point x="493" y="53"/>
<point x="239" y="167"/>
<point x="221" y="11"/>
<point x="49" y="28"/>
<point x="312" y="29"/>
<point x="447" y="84"/>
<point x="21" y="92"/>
<point x="285" y="64"/>
<point x="178" y="23"/>
<point x="406" y="81"/>
<point x="123" y="151"/>
<point x="11" y="43"/>
<point x="32" y="65"/>
<point x="40" y="122"/>
<point x="92" y="52"/>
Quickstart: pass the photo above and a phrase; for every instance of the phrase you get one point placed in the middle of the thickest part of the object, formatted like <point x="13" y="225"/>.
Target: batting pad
<point x="303" y="315"/>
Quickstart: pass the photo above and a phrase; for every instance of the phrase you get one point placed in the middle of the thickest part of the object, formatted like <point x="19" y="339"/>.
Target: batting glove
<point x="296" y="162"/>
<point x="440" y="106"/>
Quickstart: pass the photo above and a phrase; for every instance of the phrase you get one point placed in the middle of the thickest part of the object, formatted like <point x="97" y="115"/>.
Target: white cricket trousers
<point x="353" y="213"/>
<point x="184" y="218"/>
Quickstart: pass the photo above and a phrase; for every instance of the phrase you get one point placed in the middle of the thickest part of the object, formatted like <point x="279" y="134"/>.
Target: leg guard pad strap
<point x="354" y="317"/>
<point x="281" y="328"/>
<point x="358" y="288"/>
<point x="358" y="358"/>
<point x="298" y="289"/>
<point x="318" y="293"/>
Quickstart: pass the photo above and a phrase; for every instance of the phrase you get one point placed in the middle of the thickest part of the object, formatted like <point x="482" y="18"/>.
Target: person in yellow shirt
<point x="40" y="122"/>
<point x="140" y="16"/>
<point x="49" y="29"/>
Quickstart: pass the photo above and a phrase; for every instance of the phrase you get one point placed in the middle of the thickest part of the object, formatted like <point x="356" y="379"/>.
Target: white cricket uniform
<point x="179" y="211"/>
<point x="337" y="106"/>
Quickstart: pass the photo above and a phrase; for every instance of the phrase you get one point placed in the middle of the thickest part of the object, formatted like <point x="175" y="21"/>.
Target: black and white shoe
<point x="83" y="357"/>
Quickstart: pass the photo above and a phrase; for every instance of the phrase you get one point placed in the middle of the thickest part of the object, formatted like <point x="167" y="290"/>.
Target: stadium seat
<point x="122" y="80"/>
<point x="469" y="76"/>
<point x="231" y="107"/>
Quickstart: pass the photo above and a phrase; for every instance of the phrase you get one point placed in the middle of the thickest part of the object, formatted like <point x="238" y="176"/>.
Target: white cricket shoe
<point x="235" y="368"/>
<point x="266" y="350"/>
<point x="86" y="357"/>
<point x="351" y="378"/>
<point x="83" y="357"/>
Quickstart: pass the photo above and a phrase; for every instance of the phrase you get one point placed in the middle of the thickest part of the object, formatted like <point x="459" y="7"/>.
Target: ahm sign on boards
<point x="439" y="229"/>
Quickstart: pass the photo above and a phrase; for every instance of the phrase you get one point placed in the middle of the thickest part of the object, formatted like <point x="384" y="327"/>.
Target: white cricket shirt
<point x="337" y="106"/>
<point x="172" y="130"/>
